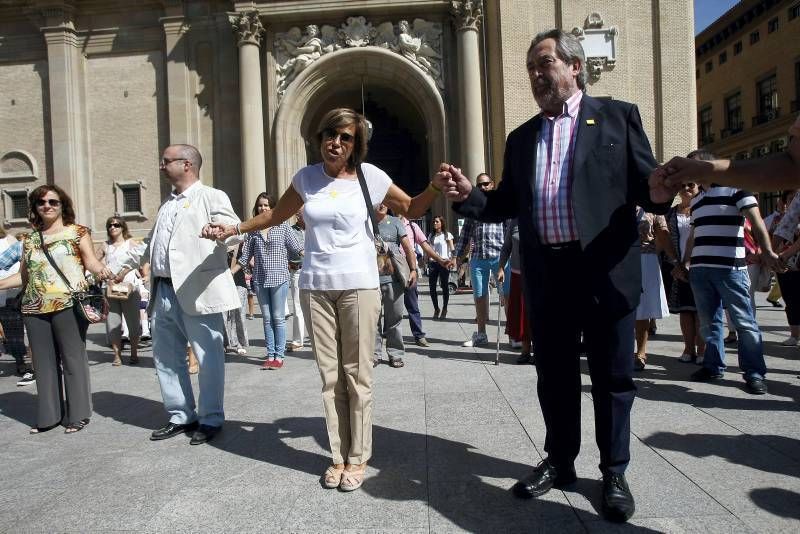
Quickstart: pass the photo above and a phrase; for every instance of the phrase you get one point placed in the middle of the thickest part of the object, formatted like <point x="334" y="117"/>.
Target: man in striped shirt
<point x="715" y="259"/>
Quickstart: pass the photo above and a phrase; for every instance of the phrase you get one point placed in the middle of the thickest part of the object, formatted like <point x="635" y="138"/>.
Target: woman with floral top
<point x="56" y="330"/>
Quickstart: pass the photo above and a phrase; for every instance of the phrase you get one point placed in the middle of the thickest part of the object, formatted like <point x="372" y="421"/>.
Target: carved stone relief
<point x="599" y="45"/>
<point x="419" y="42"/>
<point x="248" y="27"/>
<point x="467" y="13"/>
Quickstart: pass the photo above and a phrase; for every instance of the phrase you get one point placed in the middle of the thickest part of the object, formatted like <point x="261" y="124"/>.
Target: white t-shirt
<point x="339" y="247"/>
<point x="439" y="244"/>
<point x="113" y="260"/>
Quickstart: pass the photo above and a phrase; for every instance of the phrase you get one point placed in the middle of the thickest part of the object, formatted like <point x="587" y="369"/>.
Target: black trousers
<point x="568" y="310"/>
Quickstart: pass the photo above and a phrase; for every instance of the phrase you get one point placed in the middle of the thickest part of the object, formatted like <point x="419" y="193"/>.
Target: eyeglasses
<point x="166" y="161"/>
<point x="114" y="225"/>
<point x="344" y="137"/>
<point x="484" y="184"/>
<point x="52" y="202"/>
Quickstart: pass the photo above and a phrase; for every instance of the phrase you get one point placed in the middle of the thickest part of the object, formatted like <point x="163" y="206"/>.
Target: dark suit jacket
<point x="612" y="160"/>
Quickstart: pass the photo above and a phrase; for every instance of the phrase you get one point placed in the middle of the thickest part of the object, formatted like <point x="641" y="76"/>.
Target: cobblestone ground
<point x="452" y="433"/>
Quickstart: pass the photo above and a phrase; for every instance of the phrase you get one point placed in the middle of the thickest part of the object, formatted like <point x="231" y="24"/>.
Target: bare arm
<point x="411" y="259"/>
<point x="12" y="281"/>
<point x="289" y="203"/>
<point x="768" y="257"/>
<point x="90" y="261"/>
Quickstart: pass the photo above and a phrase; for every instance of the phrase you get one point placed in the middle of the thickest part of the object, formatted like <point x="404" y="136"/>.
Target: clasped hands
<point x="218" y="231"/>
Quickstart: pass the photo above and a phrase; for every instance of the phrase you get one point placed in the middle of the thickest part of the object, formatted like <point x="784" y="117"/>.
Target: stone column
<point x="179" y="99"/>
<point x="249" y="30"/>
<point x="467" y="15"/>
<point x="68" y="129"/>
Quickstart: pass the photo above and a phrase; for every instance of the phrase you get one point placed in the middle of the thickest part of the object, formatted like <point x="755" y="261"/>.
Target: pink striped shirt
<point x="554" y="147"/>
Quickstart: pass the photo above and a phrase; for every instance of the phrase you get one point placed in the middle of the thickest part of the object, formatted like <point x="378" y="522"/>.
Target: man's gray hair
<point x="190" y="154"/>
<point x="568" y="50"/>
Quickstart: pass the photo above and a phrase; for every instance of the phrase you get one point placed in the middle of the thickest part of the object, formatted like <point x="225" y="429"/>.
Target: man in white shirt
<point x="191" y="286"/>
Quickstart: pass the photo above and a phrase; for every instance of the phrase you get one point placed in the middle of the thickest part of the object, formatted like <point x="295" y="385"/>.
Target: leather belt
<point x="561" y="247"/>
<point x="161" y="279"/>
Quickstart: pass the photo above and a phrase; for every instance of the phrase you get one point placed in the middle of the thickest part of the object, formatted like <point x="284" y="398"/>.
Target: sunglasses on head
<point x="53" y="202"/>
<point x="114" y="225"/>
<point x="344" y="137"/>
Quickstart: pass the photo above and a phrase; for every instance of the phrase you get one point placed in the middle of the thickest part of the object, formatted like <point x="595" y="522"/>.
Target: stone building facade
<point x="748" y="78"/>
<point x="91" y="90"/>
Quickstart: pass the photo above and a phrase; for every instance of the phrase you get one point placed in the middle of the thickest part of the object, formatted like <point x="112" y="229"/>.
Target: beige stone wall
<point x="23" y="124"/>
<point x="123" y="101"/>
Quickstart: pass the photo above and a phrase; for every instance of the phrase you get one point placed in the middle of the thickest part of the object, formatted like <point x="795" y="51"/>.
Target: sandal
<point x="76" y="427"/>
<point x="332" y="477"/>
<point x="41" y="429"/>
<point x="353" y="478"/>
<point x="397" y="363"/>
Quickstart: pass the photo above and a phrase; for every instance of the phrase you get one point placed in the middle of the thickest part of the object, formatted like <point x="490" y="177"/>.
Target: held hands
<point x="680" y="272"/>
<point x="104" y="274"/>
<point x="412" y="278"/>
<point x="452" y="182"/>
<point x="218" y="231"/>
<point x="501" y="275"/>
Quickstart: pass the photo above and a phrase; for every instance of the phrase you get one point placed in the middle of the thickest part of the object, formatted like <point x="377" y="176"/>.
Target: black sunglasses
<point x="344" y="137"/>
<point x="51" y="201"/>
<point x="484" y="184"/>
<point x="114" y="225"/>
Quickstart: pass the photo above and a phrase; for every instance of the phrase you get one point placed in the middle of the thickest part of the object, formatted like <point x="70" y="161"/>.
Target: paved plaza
<point x="452" y="434"/>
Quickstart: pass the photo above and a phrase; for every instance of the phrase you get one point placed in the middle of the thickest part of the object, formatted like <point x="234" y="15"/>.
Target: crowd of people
<point x="581" y="199"/>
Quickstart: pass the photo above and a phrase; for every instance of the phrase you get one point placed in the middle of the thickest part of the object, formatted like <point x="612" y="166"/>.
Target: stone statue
<point x="302" y="50"/>
<point x="415" y="48"/>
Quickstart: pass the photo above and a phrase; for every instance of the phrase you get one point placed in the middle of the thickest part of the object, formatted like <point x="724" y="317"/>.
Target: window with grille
<point x="706" y="135"/>
<point x="709" y="66"/>
<point x="794" y="11"/>
<point x="754" y="37"/>
<point x="723" y="57"/>
<point x="129" y="200"/>
<point x="15" y="202"/>
<point x="737" y="48"/>
<point x="767" y="90"/>
<point x="733" y="113"/>
<point x="772" y="25"/>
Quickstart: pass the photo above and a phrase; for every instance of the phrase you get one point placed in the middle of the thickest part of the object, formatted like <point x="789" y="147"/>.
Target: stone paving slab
<point x="452" y="434"/>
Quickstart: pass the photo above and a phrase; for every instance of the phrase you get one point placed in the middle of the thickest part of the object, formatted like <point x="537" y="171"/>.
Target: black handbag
<point x="389" y="261"/>
<point x="90" y="305"/>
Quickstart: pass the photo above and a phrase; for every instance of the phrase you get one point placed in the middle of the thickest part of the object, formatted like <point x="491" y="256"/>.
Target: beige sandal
<point x="332" y="477"/>
<point x="353" y="478"/>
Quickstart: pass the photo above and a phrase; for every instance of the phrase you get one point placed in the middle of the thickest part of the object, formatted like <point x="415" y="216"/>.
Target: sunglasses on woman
<point x="114" y="225"/>
<point x="344" y="137"/>
<point x="52" y="202"/>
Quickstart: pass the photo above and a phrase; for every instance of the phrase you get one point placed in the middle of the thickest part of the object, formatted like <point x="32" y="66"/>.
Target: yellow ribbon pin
<point x="186" y="204"/>
<point x="590" y="122"/>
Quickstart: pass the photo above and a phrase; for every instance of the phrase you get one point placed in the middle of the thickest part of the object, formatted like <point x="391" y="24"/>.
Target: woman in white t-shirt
<point x="442" y="242"/>
<point x="114" y="249"/>
<point x="339" y="290"/>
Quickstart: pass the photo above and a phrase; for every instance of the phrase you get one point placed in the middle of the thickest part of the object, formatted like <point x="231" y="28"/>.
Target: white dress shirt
<point x="165" y="224"/>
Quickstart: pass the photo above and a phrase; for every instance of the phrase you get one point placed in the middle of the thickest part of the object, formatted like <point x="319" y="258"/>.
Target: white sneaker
<point x="699" y="359"/>
<point x="790" y="341"/>
<point x="476" y="340"/>
<point x="515" y="344"/>
<point x="686" y="358"/>
<point x="27" y="379"/>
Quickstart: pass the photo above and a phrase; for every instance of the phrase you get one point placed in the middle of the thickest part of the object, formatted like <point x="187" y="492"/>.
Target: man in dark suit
<point x="573" y="176"/>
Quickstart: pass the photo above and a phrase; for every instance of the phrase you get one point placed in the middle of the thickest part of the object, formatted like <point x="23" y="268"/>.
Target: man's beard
<point x="548" y="96"/>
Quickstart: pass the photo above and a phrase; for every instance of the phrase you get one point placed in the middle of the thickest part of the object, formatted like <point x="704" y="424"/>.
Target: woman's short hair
<point x="701" y="154"/>
<point x="123" y="225"/>
<point x="67" y="211"/>
<point x="261" y="196"/>
<point x="341" y="117"/>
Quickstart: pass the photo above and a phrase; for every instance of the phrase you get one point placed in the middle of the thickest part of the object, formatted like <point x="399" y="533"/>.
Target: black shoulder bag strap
<point x="53" y="264"/>
<point x="370" y="208"/>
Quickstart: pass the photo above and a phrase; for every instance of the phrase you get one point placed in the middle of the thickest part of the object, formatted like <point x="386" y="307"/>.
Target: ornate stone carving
<point x="599" y="45"/>
<point x="419" y="42"/>
<point x="467" y="14"/>
<point x="248" y="27"/>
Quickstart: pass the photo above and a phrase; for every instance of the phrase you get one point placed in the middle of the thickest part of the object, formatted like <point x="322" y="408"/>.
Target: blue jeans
<point x="172" y="330"/>
<point x="714" y="289"/>
<point x="479" y="271"/>
<point x="272" y="301"/>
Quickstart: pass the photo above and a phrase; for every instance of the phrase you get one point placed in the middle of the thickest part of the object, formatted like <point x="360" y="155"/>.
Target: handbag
<point x="121" y="291"/>
<point x="90" y="305"/>
<point x="390" y="262"/>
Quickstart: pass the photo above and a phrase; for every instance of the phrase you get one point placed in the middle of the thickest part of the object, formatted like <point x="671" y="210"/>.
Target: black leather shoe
<point x="204" y="433"/>
<point x="544" y="477"/>
<point x="524" y="359"/>
<point x="756" y="386"/>
<point x="618" y="505"/>
<point x="172" y="429"/>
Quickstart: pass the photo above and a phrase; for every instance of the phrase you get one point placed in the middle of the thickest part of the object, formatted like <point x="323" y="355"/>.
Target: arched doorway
<point x="404" y="105"/>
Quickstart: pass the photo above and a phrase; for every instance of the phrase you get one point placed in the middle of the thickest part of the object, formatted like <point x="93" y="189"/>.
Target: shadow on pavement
<point x="777" y="501"/>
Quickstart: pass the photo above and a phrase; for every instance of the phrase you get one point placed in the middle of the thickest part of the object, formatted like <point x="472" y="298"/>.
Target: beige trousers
<point x="342" y="330"/>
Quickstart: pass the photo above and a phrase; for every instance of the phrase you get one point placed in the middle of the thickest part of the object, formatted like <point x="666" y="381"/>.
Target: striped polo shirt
<point x="719" y="227"/>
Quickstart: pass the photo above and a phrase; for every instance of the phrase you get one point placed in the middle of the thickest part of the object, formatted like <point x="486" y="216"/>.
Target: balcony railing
<point x="706" y="139"/>
<point x="732" y="130"/>
<point x="763" y="118"/>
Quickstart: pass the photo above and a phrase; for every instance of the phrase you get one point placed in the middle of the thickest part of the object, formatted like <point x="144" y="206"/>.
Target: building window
<point x="129" y="200"/>
<point x="733" y="114"/>
<point x="737" y="48"/>
<point x="796" y="103"/>
<point x="742" y="155"/>
<point x="772" y="25"/>
<point x="15" y="202"/>
<point x="723" y="57"/>
<point x="767" y="91"/>
<point x="709" y="66"/>
<point x="706" y="132"/>
<point x="794" y="11"/>
<point x="754" y="37"/>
